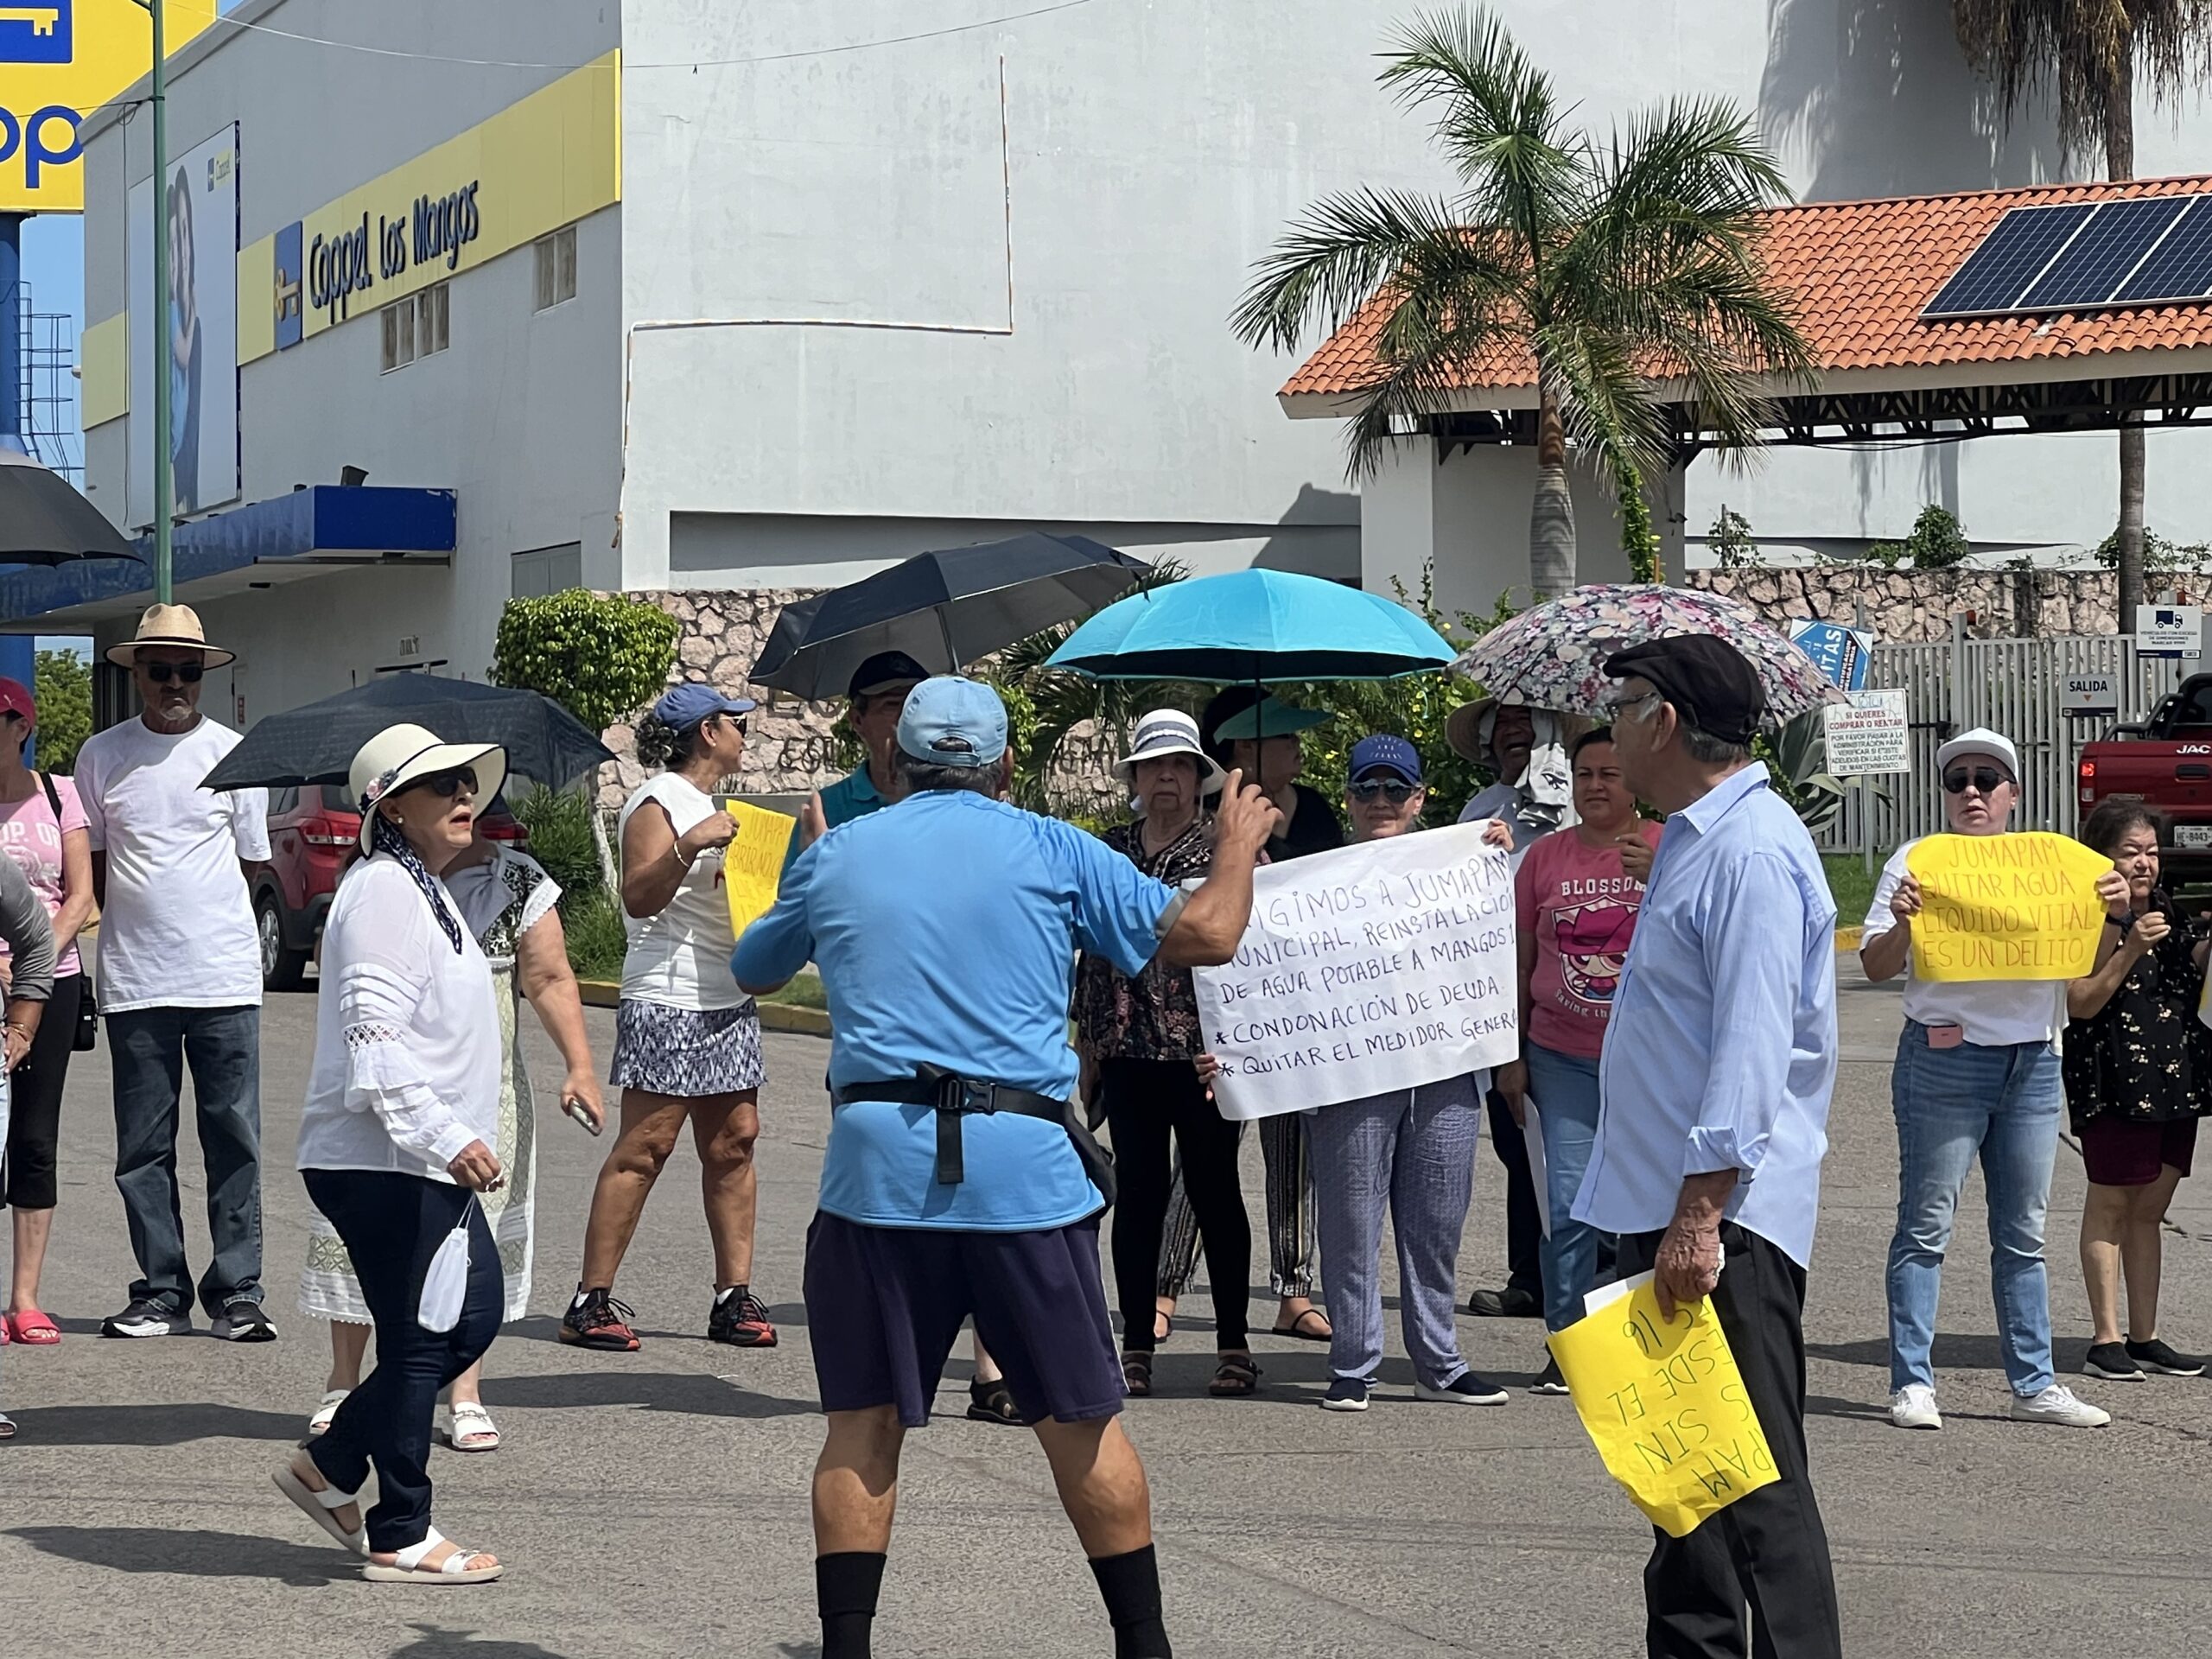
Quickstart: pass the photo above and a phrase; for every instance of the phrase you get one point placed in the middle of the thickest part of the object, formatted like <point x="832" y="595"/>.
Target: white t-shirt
<point x="177" y="929"/>
<point x="681" y="956"/>
<point x="1993" y="1013"/>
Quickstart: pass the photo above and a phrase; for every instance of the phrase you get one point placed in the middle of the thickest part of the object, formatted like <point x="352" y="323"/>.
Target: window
<point x="545" y="571"/>
<point x="556" y="268"/>
<point x="417" y="326"/>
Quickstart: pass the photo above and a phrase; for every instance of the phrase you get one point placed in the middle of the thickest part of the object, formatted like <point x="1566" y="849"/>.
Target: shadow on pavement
<point x="697" y="1393"/>
<point x="153" y="1425"/>
<point x="200" y="1555"/>
<point x="1949" y="1353"/>
<point x="432" y="1643"/>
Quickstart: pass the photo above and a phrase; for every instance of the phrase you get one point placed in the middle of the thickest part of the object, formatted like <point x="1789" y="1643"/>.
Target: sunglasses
<point x="1391" y="789"/>
<point x="447" y="785"/>
<point x="162" y="673"/>
<point x="1984" y="779"/>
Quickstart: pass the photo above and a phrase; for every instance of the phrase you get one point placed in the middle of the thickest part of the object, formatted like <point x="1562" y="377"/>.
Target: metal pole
<point x="12" y="413"/>
<point x="164" y="483"/>
<point x="1866" y="784"/>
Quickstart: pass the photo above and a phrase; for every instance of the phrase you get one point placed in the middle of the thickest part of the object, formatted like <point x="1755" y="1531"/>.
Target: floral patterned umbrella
<point x="1553" y="656"/>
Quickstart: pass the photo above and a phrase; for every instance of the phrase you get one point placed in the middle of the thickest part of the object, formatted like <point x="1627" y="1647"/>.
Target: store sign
<point x="2170" y="631"/>
<point x="432" y="233"/>
<point x="1841" y="653"/>
<point x="1869" y="735"/>
<point x="2085" y="695"/>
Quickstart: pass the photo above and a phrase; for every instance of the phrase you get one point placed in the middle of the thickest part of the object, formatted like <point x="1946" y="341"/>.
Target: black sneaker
<point x="2111" y="1361"/>
<point x="242" y="1321"/>
<point x="600" y="1321"/>
<point x="1465" y="1390"/>
<point x="2155" y="1356"/>
<point x="1508" y="1304"/>
<point x="740" y="1319"/>
<point x="1348" y="1394"/>
<point x="1551" y="1382"/>
<point x="148" y="1318"/>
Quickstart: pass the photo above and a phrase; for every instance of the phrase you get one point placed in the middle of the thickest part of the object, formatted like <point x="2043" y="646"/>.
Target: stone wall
<point x="1905" y="606"/>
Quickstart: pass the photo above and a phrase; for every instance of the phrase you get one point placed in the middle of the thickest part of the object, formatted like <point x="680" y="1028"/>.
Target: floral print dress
<point x="2140" y="1056"/>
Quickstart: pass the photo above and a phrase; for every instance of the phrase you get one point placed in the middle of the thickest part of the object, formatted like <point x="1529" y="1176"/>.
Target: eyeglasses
<point x="1390" y="789"/>
<point x="447" y="785"/>
<point x="1616" y="707"/>
<point x="162" y="673"/>
<point x="1984" y="779"/>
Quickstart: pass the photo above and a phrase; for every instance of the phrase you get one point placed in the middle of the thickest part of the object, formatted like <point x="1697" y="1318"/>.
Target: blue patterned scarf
<point x="386" y="838"/>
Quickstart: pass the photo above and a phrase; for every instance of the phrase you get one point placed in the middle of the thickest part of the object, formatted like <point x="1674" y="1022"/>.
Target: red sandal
<point x="32" y="1328"/>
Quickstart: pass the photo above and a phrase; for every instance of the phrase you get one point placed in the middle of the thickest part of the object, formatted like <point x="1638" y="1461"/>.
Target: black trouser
<point x="1145" y="1100"/>
<point x="1524" y="1226"/>
<point x="34" y="1120"/>
<point x="1767" y="1552"/>
<point x="392" y="1225"/>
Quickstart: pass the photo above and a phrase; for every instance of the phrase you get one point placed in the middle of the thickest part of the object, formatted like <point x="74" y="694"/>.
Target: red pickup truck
<point x="2166" y="762"/>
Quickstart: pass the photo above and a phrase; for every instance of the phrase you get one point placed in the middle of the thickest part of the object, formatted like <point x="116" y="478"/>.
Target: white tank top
<point x="681" y="956"/>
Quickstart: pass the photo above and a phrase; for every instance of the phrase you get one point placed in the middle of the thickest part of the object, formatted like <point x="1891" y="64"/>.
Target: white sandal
<point x="322" y="1507"/>
<point x="465" y="1427"/>
<point x="406" y="1566"/>
<point x="323" y="1413"/>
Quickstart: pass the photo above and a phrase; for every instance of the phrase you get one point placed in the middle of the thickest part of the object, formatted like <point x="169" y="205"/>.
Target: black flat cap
<point x="1712" y="685"/>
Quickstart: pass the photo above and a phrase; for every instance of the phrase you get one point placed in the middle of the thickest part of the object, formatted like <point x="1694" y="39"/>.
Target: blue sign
<point x="1841" y="653"/>
<point x="44" y="33"/>
<point x="288" y="286"/>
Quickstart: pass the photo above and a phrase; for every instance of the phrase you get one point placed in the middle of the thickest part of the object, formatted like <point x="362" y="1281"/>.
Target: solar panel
<point x="2010" y="258"/>
<point x="2179" y="268"/>
<point x="2101" y="255"/>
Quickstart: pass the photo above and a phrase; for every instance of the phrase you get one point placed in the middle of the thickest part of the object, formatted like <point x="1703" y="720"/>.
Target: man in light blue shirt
<point x="1712" y="1120"/>
<point x="955" y="1183"/>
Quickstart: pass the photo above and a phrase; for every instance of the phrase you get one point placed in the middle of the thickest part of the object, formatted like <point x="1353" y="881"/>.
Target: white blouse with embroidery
<point x="407" y="1035"/>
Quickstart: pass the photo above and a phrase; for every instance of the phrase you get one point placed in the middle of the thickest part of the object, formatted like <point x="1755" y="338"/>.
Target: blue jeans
<point x="151" y="1048"/>
<point x="1564" y="1089"/>
<point x="2001" y="1104"/>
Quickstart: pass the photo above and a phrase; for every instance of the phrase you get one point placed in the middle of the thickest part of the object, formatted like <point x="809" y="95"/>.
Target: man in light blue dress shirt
<point x="1714" y="1091"/>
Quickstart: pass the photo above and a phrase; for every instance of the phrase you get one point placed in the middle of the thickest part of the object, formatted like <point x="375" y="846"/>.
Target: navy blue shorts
<point x="885" y="1304"/>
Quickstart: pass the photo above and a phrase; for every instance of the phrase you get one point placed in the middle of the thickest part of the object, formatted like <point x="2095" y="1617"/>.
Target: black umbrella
<point x="315" y="744"/>
<point x="43" y="520"/>
<point x="945" y="610"/>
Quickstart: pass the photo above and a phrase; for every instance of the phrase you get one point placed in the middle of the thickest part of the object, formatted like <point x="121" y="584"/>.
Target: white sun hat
<point x="1170" y="731"/>
<point x="400" y="755"/>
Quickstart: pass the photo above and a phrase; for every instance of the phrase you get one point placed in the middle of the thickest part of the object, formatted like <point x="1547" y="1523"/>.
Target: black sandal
<point x="1234" y="1377"/>
<point x="993" y="1402"/>
<point x="1136" y="1374"/>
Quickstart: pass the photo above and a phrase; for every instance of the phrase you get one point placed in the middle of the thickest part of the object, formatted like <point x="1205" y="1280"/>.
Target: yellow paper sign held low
<point x="2010" y="906"/>
<point x="1666" y="1407"/>
<point x="752" y="863"/>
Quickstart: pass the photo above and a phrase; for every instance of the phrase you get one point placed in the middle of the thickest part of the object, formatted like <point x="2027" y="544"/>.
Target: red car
<point x="313" y="834"/>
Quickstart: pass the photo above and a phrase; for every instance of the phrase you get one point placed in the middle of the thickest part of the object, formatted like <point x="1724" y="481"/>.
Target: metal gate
<point x="2011" y="686"/>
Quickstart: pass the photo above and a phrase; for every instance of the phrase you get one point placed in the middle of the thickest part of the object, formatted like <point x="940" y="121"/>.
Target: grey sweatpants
<point x="1412" y="1152"/>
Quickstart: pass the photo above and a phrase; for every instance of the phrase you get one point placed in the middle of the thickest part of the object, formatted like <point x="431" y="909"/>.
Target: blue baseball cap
<point x="685" y="705"/>
<point x="1384" y="752"/>
<point x="951" y="721"/>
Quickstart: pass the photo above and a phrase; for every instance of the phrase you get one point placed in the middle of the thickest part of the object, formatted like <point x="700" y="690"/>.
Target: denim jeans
<point x="2001" y="1104"/>
<point x="150" y="1049"/>
<point x="1564" y="1089"/>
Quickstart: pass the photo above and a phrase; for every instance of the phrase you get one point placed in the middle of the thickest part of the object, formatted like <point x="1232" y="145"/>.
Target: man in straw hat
<point x="180" y="979"/>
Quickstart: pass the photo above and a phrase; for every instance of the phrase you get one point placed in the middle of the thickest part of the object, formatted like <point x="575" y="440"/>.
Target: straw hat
<point x="1165" y="732"/>
<point x="1463" y="726"/>
<point x="170" y="625"/>
<point x="400" y="755"/>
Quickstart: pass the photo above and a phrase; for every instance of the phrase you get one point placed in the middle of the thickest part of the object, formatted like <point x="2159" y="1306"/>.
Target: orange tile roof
<point x="1861" y="271"/>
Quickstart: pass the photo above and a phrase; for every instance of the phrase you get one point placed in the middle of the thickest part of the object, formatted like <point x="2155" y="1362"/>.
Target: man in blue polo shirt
<point x="873" y="698"/>
<point x="945" y="929"/>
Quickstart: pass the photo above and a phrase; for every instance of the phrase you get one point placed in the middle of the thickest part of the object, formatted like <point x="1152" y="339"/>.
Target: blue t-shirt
<point x="945" y="927"/>
<point x="853" y="795"/>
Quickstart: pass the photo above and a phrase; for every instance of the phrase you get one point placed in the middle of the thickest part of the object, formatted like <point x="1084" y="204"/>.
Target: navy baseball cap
<point x="1384" y="752"/>
<point x="951" y="721"/>
<point x="687" y="704"/>
<point x="882" y="671"/>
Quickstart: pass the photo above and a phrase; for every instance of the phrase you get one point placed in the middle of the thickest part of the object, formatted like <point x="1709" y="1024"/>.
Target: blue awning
<point x="324" y="524"/>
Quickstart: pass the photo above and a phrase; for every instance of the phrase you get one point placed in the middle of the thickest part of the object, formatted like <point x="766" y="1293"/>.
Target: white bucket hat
<point x="1165" y="732"/>
<point x="400" y="755"/>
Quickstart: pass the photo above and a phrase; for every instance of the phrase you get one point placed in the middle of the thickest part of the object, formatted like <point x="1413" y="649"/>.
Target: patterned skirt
<point x="686" y="1052"/>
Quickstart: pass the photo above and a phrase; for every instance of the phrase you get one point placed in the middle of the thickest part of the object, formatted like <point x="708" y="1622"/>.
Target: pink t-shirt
<point x="1579" y="906"/>
<point x="30" y="835"/>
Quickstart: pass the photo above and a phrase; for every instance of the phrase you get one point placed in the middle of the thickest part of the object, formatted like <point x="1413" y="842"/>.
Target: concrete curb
<point x="1847" y="939"/>
<point x="774" y="1016"/>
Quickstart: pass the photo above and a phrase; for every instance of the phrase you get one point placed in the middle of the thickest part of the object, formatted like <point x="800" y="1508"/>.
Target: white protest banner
<point x="1371" y="967"/>
<point x="1869" y="735"/>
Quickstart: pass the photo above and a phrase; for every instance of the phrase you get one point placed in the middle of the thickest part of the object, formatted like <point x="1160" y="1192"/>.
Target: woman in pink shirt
<point x="1579" y="889"/>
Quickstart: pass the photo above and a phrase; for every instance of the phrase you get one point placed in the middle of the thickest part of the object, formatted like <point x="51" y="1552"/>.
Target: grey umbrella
<point x="43" y="520"/>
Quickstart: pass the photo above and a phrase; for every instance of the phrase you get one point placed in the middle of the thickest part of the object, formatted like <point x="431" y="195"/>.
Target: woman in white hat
<point x="398" y="1136"/>
<point x="1140" y="1039"/>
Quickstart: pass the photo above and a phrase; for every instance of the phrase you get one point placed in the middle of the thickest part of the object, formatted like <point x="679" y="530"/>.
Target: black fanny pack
<point x="955" y="1097"/>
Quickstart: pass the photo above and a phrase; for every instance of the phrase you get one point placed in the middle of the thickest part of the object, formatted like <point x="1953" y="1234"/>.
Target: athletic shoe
<point x="242" y="1321"/>
<point x="1510" y="1303"/>
<point x="147" y="1318"/>
<point x="598" y="1321"/>
<point x="2056" y="1404"/>
<point x="740" y="1319"/>
<point x="2155" y="1356"/>
<point x="1551" y="1382"/>
<point x="1914" y="1406"/>
<point x="2113" y="1362"/>
<point x="1348" y="1394"/>
<point x="1465" y="1390"/>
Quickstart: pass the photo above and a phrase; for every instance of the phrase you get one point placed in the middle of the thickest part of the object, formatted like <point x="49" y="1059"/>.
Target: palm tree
<point x="1608" y="261"/>
<point x="2092" y="50"/>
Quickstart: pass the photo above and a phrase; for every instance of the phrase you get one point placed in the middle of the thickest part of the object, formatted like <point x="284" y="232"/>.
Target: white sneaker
<point x="2056" y="1404"/>
<point x="1914" y="1406"/>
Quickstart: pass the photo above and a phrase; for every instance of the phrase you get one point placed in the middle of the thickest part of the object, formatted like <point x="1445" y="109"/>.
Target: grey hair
<point x="1699" y="744"/>
<point x="925" y="777"/>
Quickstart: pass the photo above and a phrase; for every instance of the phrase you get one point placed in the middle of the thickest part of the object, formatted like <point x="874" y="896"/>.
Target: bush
<point x="64" y="708"/>
<point x="1938" y="542"/>
<point x="559" y="822"/>
<point x="598" y="657"/>
<point x="597" y="937"/>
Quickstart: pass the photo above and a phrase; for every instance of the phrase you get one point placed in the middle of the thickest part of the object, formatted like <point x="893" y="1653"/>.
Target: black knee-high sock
<point x="845" y="1588"/>
<point x="1130" y="1584"/>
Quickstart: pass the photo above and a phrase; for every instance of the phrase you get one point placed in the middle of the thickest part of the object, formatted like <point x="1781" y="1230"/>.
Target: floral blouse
<point x="2141" y="1056"/>
<point x="1155" y="1016"/>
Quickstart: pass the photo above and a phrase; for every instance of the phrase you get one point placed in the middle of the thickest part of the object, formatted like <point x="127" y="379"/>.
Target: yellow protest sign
<point x="752" y="863"/>
<point x="1666" y="1407"/>
<point x="2011" y="906"/>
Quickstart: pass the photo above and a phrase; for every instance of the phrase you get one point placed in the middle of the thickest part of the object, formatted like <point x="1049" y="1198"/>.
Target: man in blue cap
<point x="957" y="1180"/>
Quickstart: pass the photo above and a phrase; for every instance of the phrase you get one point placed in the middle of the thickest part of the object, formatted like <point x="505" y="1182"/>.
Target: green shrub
<point x="598" y="657"/>
<point x="597" y="939"/>
<point x="559" y="822"/>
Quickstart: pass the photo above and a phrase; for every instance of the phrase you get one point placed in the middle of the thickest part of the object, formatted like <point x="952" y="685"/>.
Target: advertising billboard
<point x="191" y="333"/>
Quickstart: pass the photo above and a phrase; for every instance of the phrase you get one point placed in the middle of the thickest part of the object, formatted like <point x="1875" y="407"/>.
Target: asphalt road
<point x="657" y="1502"/>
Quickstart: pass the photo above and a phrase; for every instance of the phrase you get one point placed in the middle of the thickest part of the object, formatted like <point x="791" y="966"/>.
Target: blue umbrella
<point x="1253" y="627"/>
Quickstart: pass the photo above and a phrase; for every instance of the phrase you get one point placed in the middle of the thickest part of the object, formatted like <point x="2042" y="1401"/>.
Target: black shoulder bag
<point x="88" y="1034"/>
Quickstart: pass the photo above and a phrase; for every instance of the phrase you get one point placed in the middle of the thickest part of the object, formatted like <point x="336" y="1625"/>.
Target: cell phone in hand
<point x="576" y="1109"/>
